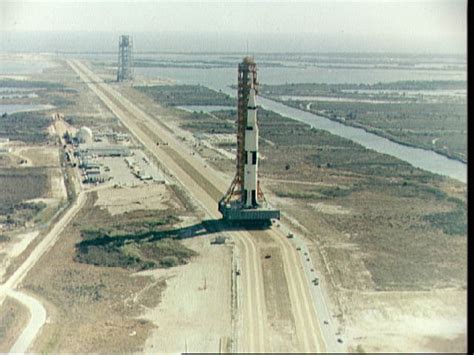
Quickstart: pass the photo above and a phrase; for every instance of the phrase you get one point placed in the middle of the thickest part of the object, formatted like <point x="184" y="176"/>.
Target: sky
<point x="431" y="21"/>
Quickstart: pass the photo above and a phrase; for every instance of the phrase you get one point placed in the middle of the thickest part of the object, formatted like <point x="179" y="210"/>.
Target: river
<point x="220" y="79"/>
<point x="14" y="108"/>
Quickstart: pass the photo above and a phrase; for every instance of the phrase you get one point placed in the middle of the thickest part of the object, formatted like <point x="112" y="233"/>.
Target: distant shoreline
<point x="31" y="109"/>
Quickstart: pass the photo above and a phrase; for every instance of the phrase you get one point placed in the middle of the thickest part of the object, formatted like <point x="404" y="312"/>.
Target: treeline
<point x="311" y="88"/>
<point x="24" y="126"/>
<point x="176" y="95"/>
<point x="27" y="84"/>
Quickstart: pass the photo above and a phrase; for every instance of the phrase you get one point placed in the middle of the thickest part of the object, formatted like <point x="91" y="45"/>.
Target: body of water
<point x="18" y="96"/>
<point x="336" y="99"/>
<point x="221" y="79"/>
<point x="420" y="158"/>
<point x="22" y="66"/>
<point x="22" y="108"/>
<point x="285" y="75"/>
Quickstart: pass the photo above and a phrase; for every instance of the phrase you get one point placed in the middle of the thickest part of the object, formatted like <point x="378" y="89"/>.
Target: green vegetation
<point x="4" y="238"/>
<point x="313" y="192"/>
<point x="28" y="84"/>
<point x="394" y="212"/>
<point x="400" y="219"/>
<point x="31" y="206"/>
<point x="394" y="110"/>
<point x="19" y="214"/>
<point x="388" y="200"/>
<point x="205" y="123"/>
<point x="308" y="89"/>
<point x="451" y="223"/>
<point x="50" y="93"/>
<point x="136" y="255"/>
<point x="299" y="146"/>
<point x="25" y="126"/>
<point x="176" y="95"/>
<point x="19" y="185"/>
<point x="204" y="64"/>
<point x="135" y="240"/>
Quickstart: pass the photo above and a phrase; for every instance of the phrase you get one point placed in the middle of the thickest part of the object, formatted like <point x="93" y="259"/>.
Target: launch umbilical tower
<point x="125" y="60"/>
<point x="244" y="200"/>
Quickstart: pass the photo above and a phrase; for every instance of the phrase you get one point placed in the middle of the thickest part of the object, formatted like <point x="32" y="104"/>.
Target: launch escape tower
<point x="125" y="65"/>
<point x="244" y="200"/>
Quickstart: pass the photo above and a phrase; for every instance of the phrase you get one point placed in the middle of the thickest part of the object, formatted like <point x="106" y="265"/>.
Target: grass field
<point x="28" y="127"/>
<point x="13" y="318"/>
<point x="426" y="114"/>
<point x="408" y="232"/>
<point x="92" y="308"/>
<point x="136" y="240"/>
<point x="175" y="95"/>
<point x="16" y="187"/>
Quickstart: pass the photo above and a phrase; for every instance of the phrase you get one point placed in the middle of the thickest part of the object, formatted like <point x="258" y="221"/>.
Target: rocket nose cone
<point x="252" y="102"/>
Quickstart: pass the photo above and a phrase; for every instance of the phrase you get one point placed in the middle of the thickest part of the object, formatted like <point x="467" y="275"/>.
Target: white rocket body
<point x="251" y="153"/>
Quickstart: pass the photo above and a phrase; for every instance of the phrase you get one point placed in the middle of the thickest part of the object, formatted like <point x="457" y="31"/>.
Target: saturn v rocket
<point x="244" y="201"/>
<point x="251" y="154"/>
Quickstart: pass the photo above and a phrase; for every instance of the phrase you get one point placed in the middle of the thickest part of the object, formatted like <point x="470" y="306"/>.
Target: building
<point x="106" y="151"/>
<point x="84" y="135"/>
<point x="93" y="178"/>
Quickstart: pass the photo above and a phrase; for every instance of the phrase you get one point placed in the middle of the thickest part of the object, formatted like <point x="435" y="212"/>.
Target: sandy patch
<point x="60" y="127"/>
<point x="36" y="108"/>
<point x="17" y="155"/>
<point x="39" y="156"/>
<point x="281" y="201"/>
<point x="408" y="321"/>
<point x="23" y="240"/>
<point x="329" y="209"/>
<point x="14" y="77"/>
<point x="194" y="314"/>
<point x="13" y="248"/>
<point x="141" y="197"/>
<point x="58" y="188"/>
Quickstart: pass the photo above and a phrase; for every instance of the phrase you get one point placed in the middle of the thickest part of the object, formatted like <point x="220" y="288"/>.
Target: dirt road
<point x="207" y="187"/>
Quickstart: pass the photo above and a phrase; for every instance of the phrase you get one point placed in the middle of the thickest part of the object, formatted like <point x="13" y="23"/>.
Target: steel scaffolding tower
<point x="232" y="205"/>
<point x="125" y="60"/>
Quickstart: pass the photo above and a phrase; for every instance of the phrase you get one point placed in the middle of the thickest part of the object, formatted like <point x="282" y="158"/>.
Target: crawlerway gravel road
<point x="188" y="170"/>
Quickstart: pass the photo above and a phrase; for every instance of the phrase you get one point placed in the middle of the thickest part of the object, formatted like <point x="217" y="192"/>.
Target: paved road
<point x="13" y="284"/>
<point x="190" y="171"/>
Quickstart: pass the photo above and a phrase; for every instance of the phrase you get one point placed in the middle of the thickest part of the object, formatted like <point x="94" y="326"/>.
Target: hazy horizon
<point x="423" y="26"/>
<point x="106" y="41"/>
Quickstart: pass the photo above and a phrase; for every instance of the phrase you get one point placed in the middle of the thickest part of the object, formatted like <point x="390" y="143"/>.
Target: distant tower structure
<point x="244" y="200"/>
<point x="125" y="59"/>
